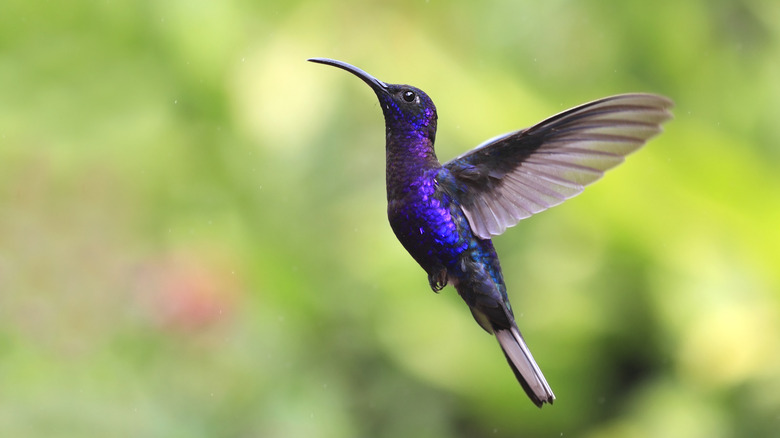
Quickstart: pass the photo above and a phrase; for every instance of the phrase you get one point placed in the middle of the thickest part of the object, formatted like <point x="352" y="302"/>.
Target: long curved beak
<point x="372" y="82"/>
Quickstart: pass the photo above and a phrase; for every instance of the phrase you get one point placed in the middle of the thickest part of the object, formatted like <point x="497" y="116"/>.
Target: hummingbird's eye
<point x="409" y="95"/>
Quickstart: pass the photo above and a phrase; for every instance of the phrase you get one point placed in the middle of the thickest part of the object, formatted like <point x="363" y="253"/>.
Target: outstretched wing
<point x="519" y="174"/>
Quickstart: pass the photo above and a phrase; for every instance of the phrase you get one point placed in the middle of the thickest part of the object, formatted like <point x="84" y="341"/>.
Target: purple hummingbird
<point x="445" y="214"/>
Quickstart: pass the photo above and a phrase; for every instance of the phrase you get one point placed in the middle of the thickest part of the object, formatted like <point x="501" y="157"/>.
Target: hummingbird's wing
<point x="514" y="176"/>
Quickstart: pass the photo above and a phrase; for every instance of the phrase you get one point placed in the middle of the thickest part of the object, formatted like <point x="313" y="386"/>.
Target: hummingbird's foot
<point x="438" y="279"/>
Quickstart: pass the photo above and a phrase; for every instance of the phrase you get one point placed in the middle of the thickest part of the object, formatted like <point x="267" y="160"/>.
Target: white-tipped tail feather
<point x="524" y="366"/>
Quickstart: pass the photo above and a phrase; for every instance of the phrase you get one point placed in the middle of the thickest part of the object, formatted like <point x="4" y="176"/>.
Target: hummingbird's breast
<point x="428" y="223"/>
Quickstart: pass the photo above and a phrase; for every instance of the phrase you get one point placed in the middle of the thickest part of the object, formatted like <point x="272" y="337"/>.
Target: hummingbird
<point x="445" y="215"/>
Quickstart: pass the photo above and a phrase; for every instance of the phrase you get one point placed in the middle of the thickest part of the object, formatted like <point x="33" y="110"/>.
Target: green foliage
<point x="193" y="239"/>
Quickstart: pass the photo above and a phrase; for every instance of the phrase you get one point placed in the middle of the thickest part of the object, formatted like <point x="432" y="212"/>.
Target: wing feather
<point x="518" y="174"/>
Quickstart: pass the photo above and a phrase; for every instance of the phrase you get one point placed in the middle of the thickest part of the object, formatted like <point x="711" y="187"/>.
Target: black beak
<point x="372" y="82"/>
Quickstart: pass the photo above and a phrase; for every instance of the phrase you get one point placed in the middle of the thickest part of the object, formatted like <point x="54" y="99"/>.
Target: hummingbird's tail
<point x="524" y="366"/>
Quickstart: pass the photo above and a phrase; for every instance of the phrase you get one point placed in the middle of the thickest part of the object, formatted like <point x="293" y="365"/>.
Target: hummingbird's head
<point x="408" y="110"/>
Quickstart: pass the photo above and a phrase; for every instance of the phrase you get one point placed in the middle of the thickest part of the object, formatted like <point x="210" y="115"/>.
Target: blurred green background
<point x="193" y="240"/>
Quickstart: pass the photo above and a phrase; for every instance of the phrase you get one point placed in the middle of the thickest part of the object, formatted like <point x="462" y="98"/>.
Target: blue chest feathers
<point x="429" y="224"/>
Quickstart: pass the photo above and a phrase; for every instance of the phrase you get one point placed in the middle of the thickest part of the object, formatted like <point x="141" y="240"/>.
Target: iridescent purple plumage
<point x="445" y="215"/>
